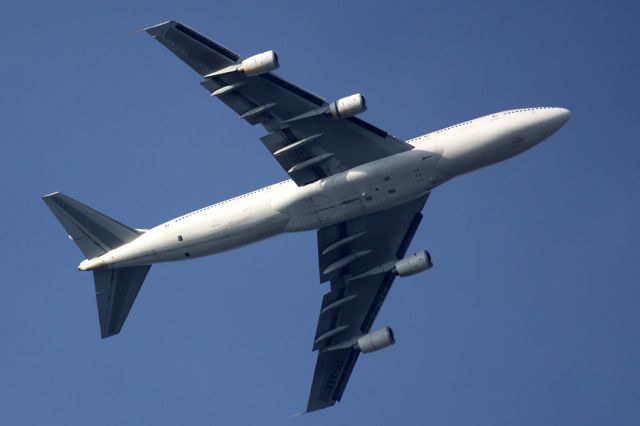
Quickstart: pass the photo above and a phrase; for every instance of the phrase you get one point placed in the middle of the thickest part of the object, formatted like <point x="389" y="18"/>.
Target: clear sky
<point x="530" y="316"/>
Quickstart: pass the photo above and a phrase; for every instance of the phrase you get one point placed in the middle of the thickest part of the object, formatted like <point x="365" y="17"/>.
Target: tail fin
<point x="96" y="234"/>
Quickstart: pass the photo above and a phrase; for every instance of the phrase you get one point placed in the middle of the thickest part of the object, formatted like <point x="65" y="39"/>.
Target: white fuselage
<point x="368" y="188"/>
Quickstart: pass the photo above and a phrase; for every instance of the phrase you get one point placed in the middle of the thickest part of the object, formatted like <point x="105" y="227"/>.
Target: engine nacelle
<point x="411" y="265"/>
<point x="376" y="340"/>
<point x="348" y="107"/>
<point x="260" y="63"/>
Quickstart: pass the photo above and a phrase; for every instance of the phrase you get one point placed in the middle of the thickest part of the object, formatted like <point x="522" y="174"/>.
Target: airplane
<point x="361" y="188"/>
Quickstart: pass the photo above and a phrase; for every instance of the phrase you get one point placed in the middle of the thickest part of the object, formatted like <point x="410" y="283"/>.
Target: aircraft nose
<point x="544" y="122"/>
<point x="558" y="118"/>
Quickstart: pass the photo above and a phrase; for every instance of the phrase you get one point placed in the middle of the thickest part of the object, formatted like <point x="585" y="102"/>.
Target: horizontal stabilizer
<point x="93" y="232"/>
<point x="116" y="290"/>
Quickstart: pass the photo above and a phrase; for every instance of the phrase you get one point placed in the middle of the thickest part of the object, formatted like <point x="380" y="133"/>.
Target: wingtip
<point x="105" y="334"/>
<point x="53" y="194"/>
<point x="151" y="30"/>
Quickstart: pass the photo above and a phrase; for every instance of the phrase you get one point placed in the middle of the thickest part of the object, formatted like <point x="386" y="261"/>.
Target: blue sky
<point x="530" y="315"/>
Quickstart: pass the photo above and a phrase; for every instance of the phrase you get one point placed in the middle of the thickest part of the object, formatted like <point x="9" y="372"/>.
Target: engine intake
<point x="411" y="265"/>
<point x="376" y="340"/>
<point x="260" y="63"/>
<point x="348" y="106"/>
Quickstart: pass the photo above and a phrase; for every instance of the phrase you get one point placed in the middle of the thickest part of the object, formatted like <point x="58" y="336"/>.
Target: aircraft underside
<point x="361" y="188"/>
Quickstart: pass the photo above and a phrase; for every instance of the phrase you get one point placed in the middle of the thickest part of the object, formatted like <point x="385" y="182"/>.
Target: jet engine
<point x="348" y="106"/>
<point x="411" y="265"/>
<point x="376" y="340"/>
<point x="260" y="63"/>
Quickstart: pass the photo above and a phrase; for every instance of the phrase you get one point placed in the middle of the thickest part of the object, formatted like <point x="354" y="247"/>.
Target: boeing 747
<point x="361" y="188"/>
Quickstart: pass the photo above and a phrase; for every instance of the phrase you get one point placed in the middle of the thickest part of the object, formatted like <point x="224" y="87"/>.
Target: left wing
<point x="303" y="137"/>
<point x="347" y="250"/>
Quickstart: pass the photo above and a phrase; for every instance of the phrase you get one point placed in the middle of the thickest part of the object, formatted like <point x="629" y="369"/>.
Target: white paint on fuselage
<point x="369" y="188"/>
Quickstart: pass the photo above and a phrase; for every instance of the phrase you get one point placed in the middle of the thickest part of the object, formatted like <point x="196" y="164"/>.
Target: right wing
<point x="346" y="251"/>
<point x="307" y="142"/>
